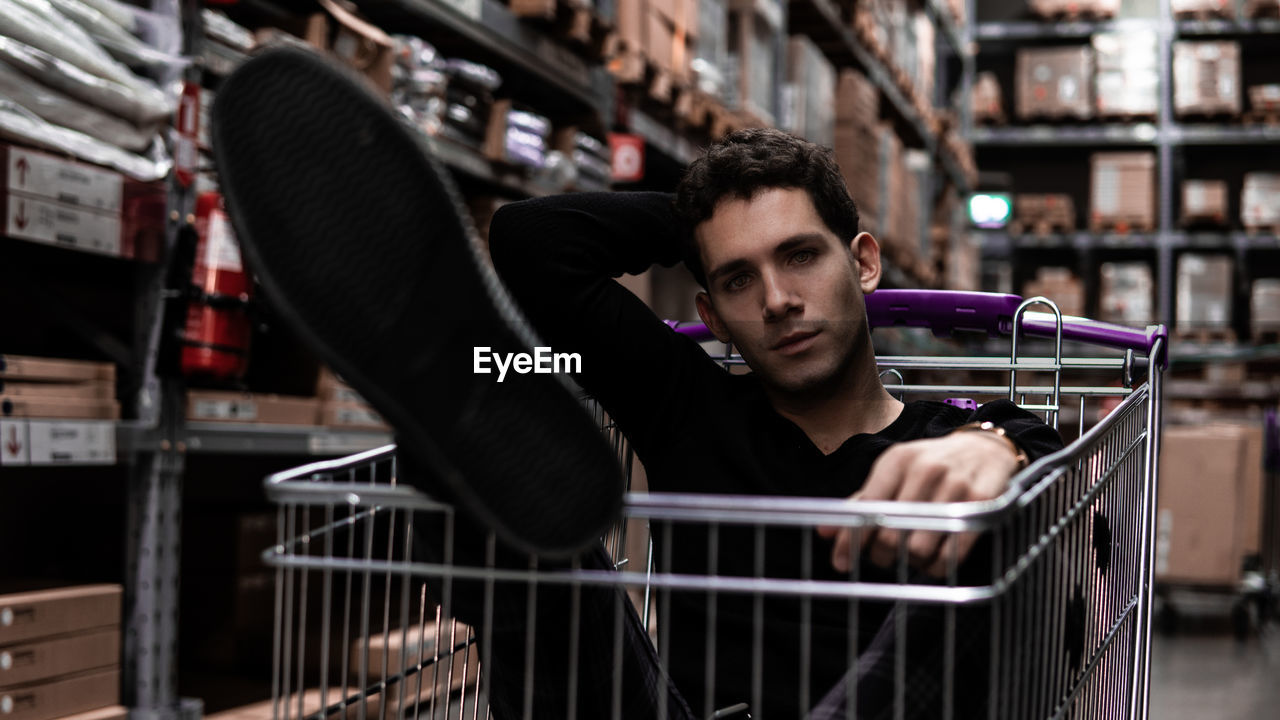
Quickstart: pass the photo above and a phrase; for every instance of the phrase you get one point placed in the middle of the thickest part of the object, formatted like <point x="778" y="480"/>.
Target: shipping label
<point x="65" y="181"/>
<point x="52" y="223"/>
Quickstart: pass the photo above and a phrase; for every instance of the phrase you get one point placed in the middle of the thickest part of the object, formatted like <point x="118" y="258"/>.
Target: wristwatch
<point x="1019" y="455"/>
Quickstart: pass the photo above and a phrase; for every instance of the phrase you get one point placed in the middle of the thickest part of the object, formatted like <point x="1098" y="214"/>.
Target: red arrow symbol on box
<point x="22" y="171"/>
<point x="21" y="220"/>
<point x="13" y="446"/>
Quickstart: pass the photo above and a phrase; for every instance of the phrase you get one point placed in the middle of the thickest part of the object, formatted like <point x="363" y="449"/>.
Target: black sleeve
<point x="558" y="257"/>
<point x="1028" y="430"/>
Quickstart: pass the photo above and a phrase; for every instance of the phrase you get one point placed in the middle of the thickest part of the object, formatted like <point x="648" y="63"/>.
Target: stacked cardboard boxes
<point x="1204" y="292"/>
<point x="32" y="387"/>
<point x="1127" y="83"/>
<point x="1126" y="294"/>
<point x="242" y="407"/>
<point x="1122" y="191"/>
<point x="1204" y="202"/>
<point x="926" y="59"/>
<point x="811" y="85"/>
<point x="857" y="143"/>
<point x="1054" y="83"/>
<point x="662" y="31"/>
<point x="54" y="201"/>
<point x="1206" y="78"/>
<point x="1059" y="285"/>
<point x="60" y="652"/>
<point x="1260" y="202"/>
<point x="1209" y="518"/>
<point x="1042" y="213"/>
<point x="892" y="183"/>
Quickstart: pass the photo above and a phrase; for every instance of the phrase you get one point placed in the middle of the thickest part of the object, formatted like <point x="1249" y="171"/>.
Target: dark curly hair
<point x="756" y="159"/>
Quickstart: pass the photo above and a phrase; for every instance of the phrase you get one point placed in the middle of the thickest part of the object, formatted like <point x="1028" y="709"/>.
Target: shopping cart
<point x="1051" y="612"/>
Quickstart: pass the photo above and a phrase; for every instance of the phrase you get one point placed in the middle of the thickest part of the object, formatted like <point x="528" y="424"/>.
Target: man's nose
<point x="780" y="297"/>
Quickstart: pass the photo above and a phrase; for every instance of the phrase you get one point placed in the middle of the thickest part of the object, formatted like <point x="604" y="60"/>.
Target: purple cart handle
<point x="945" y="311"/>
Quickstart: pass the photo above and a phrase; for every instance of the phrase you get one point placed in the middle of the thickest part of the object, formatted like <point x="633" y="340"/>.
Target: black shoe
<point x="361" y="242"/>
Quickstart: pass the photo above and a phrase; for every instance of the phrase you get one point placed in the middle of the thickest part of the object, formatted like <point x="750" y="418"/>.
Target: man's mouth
<point x="795" y="342"/>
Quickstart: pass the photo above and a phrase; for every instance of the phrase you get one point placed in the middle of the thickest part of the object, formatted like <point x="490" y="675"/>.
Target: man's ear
<point x="711" y="318"/>
<point x="867" y="252"/>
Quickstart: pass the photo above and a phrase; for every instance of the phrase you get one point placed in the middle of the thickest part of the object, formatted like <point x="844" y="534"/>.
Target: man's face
<point x="784" y="289"/>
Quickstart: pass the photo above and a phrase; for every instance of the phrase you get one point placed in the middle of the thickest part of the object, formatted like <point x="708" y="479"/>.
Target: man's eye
<point x="737" y="282"/>
<point x="803" y="256"/>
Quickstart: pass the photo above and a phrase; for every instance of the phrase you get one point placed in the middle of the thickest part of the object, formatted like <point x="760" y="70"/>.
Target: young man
<point x="357" y="237"/>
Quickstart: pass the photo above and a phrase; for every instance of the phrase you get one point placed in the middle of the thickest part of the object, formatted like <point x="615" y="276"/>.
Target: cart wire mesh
<point x="387" y="602"/>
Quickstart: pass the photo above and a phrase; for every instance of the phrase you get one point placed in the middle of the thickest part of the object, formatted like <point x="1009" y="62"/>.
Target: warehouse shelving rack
<point x="1166" y="135"/>
<point x="157" y="444"/>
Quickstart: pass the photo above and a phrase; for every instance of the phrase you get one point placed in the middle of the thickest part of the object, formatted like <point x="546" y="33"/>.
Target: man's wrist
<point x="997" y="433"/>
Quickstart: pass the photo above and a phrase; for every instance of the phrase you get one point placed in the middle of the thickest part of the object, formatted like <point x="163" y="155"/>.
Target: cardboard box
<point x="57" y="442"/>
<point x="93" y="390"/>
<point x="38" y="660"/>
<point x="1043" y="213"/>
<point x="1122" y="191"/>
<point x="1204" y="201"/>
<point x="1206" y="78"/>
<point x="392" y="642"/>
<point x="64" y="696"/>
<point x="857" y="144"/>
<point x="1209" y="515"/>
<point x="1127" y="293"/>
<point x="1265" y="97"/>
<point x="351" y="416"/>
<point x="55" y="223"/>
<point x="55" y="408"/>
<point x="986" y="100"/>
<point x="57" y="180"/>
<point x="1260" y="201"/>
<point x="1204" y="296"/>
<point x="1054" y="83"/>
<point x="1264" y="306"/>
<point x="1069" y="9"/>
<point x="111" y="712"/>
<point x="28" y="615"/>
<point x="1060" y="286"/>
<point x="312" y="703"/>
<point x="1201" y="8"/>
<point x="223" y="406"/>
<point x="331" y="388"/>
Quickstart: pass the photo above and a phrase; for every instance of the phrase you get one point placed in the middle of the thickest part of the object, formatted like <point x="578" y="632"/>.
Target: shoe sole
<point x="360" y="241"/>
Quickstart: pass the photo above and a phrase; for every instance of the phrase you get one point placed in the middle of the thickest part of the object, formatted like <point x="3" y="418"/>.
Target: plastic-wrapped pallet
<point x="1126" y="293"/>
<point x="1204" y="202"/>
<point x="1204" y="292"/>
<point x="1054" y="82"/>
<point x="1127" y="83"/>
<point x="711" y="51"/>
<point x="1260" y="202"/>
<point x="1122" y="191"/>
<point x="1206" y="78"/>
<point x="809" y="90"/>
<point x="753" y="53"/>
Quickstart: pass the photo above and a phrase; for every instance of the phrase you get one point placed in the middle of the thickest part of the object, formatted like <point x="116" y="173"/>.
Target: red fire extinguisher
<point x="215" y="341"/>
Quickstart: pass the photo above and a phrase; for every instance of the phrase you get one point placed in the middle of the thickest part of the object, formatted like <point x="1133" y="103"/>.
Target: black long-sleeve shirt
<point x="698" y="428"/>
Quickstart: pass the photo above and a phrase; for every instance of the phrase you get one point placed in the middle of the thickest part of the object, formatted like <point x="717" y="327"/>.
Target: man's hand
<point x="960" y="467"/>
